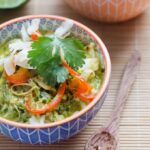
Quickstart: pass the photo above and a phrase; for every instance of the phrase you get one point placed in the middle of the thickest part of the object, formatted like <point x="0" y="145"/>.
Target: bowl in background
<point x="7" y="4"/>
<point x="109" y="10"/>
<point x="64" y="129"/>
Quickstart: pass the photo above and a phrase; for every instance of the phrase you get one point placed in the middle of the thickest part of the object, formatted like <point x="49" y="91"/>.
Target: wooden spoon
<point x="106" y="137"/>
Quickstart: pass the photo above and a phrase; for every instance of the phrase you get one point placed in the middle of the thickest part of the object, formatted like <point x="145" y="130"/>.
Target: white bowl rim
<point x="107" y="75"/>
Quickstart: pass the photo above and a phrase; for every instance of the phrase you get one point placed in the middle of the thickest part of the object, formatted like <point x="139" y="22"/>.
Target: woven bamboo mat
<point x="121" y="40"/>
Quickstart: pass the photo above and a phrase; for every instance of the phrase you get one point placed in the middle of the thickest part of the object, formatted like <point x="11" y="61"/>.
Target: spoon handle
<point x="130" y="73"/>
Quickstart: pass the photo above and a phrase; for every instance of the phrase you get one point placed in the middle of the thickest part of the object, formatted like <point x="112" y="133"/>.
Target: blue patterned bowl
<point x="61" y="130"/>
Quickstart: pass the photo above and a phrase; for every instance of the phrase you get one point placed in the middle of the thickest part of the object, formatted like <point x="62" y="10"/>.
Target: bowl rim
<point x="107" y="74"/>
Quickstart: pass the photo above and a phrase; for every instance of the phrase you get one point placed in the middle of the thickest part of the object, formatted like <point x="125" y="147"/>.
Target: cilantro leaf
<point x="45" y="57"/>
<point x="53" y="72"/>
<point x="41" y="51"/>
<point x="73" y="50"/>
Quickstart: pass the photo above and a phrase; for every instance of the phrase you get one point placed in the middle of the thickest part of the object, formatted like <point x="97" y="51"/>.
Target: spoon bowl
<point x="102" y="140"/>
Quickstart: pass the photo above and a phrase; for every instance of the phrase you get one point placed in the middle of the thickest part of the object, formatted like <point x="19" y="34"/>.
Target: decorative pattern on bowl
<point x="50" y="135"/>
<point x="61" y="130"/>
<point x="109" y="10"/>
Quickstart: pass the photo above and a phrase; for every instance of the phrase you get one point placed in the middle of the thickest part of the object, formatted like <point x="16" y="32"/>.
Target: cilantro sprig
<point x="45" y="57"/>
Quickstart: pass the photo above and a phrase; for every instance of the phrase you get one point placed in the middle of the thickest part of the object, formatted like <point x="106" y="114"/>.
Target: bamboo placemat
<point x="121" y="40"/>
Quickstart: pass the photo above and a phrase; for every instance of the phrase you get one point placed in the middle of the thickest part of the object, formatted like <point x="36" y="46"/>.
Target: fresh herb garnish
<point x="45" y="57"/>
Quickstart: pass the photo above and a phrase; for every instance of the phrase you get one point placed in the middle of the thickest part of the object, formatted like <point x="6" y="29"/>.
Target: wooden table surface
<point x="121" y="40"/>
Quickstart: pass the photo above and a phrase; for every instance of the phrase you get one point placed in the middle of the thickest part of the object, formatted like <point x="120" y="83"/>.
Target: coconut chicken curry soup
<point x="46" y="76"/>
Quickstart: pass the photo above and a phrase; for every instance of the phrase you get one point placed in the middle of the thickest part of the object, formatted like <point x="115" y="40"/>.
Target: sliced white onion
<point x="21" y="59"/>
<point x="64" y="28"/>
<point x="20" y="45"/>
<point x="34" y="26"/>
<point x="9" y="65"/>
<point x="91" y="63"/>
<point x="37" y="120"/>
<point x="24" y="34"/>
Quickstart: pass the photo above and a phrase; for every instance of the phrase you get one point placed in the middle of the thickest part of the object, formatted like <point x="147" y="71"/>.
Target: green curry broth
<point x="12" y="107"/>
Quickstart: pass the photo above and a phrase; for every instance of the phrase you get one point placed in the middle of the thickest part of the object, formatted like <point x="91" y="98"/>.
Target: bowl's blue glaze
<point x="48" y="135"/>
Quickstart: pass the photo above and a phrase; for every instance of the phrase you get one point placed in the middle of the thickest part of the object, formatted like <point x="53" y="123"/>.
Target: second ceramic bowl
<point x="109" y="10"/>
